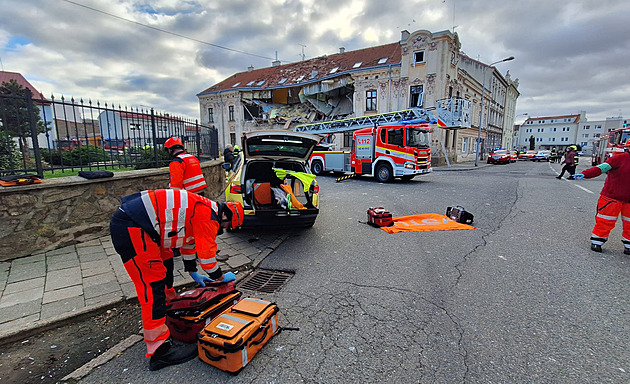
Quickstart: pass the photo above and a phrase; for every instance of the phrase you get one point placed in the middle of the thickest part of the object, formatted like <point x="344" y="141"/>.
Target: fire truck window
<point x="395" y="136"/>
<point x="383" y="137"/>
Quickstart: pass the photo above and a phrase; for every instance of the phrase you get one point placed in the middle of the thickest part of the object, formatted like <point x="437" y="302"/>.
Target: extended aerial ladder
<point x="451" y="113"/>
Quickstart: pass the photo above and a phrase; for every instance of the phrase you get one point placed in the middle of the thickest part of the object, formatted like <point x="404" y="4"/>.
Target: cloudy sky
<point x="570" y="55"/>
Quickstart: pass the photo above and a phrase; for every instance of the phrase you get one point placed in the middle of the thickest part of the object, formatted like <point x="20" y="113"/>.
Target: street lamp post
<point x="483" y="92"/>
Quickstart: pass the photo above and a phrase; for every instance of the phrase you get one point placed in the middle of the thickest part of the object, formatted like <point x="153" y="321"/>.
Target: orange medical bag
<point x="232" y="339"/>
<point x="379" y="217"/>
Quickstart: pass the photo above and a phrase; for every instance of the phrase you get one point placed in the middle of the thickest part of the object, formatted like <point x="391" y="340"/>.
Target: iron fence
<point x="39" y="135"/>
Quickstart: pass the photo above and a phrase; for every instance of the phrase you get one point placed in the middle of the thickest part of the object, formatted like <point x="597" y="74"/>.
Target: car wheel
<point x="317" y="167"/>
<point x="384" y="173"/>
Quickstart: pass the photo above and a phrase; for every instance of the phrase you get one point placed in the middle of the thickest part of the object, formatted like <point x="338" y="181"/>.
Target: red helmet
<point x="234" y="212"/>
<point x="627" y="144"/>
<point x="173" y="141"/>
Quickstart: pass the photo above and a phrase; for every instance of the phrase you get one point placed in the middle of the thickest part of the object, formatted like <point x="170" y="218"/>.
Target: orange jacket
<point x="186" y="173"/>
<point x="178" y="219"/>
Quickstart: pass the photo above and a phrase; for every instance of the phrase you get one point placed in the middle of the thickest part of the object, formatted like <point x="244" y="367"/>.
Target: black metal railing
<point x="39" y="135"/>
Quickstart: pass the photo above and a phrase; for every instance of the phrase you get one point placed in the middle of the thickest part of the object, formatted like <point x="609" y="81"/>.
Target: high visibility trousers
<point x="150" y="268"/>
<point x="607" y="212"/>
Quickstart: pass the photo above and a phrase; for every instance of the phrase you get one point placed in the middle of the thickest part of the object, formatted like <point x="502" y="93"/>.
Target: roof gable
<point x="6" y="77"/>
<point x="316" y="69"/>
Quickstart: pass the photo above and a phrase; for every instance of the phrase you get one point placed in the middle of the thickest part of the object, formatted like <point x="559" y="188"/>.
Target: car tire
<point x="384" y="173"/>
<point x="317" y="167"/>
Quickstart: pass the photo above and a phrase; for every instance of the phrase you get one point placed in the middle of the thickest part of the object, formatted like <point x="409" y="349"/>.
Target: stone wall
<point x="70" y="210"/>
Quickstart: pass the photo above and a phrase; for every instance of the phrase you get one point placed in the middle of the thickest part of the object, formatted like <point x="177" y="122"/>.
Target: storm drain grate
<point x="266" y="281"/>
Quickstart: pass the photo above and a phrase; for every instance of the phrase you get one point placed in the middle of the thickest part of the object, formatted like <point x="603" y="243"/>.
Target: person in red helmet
<point x="614" y="198"/>
<point x="185" y="169"/>
<point x="143" y="230"/>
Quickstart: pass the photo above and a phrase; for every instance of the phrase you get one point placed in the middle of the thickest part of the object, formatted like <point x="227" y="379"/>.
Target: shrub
<point x="10" y="155"/>
<point x="147" y="158"/>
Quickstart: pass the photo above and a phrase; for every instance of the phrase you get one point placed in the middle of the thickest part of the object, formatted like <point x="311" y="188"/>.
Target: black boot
<point x="558" y="177"/>
<point x="596" y="248"/>
<point x="170" y="354"/>
<point x="626" y="251"/>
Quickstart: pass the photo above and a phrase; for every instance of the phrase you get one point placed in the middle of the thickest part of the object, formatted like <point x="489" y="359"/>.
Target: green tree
<point x="10" y="156"/>
<point x="14" y="116"/>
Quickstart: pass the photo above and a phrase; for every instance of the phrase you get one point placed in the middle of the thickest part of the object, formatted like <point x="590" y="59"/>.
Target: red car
<point x="499" y="156"/>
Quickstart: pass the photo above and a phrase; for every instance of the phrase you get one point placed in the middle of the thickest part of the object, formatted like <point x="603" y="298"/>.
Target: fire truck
<point x="384" y="146"/>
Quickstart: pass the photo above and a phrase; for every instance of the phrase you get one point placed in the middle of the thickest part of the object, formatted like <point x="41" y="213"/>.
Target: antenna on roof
<point x="303" y="54"/>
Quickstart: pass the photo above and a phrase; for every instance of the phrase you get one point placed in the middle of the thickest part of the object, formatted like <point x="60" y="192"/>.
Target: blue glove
<point x="229" y="276"/>
<point x="578" y="176"/>
<point x="200" y="279"/>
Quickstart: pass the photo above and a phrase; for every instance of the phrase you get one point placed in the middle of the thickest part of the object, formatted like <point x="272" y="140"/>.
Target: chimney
<point x="404" y="35"/>
<point x="250" y="68"/>
<point x="342" y="50"/>
<point x="275" y="63"/>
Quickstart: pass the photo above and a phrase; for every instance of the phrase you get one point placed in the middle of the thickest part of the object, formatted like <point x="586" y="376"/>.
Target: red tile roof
<point x="5" y="77"/>
<point x="344" y="62"/>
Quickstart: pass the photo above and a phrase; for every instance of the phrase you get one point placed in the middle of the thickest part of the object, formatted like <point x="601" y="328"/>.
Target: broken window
<point x="370" y="100"/>
<point x="251" y="111"/>
<point x="415" y="99"/>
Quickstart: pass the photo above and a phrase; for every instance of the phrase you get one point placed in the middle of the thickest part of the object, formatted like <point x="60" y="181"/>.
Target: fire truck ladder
<point x="354" y="123"/>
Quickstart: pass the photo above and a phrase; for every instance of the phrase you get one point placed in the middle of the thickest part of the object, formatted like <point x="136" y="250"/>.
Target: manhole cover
<point x="265" y="281"/>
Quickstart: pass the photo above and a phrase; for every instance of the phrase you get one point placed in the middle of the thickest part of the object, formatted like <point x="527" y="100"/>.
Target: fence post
<point x="197" y="138"/>
<point x="33" y="125"/>
<point x="154" y="134"/>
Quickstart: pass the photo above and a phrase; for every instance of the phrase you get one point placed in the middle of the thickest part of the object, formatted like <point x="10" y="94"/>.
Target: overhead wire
<point x="168" y="32"/>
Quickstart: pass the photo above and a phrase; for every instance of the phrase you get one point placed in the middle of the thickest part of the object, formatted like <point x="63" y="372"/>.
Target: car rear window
<point x="277" y="146"/>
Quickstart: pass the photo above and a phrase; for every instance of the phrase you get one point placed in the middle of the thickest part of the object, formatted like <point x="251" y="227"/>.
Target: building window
<point x="585" y="135"/>
<point x="418" y="57"/>
<point x="465" y="145"/>
<point x="416" y="96"/>
<point x="596" y="135"/>
<point x="598" y="127"/>
<point x="347" y="139"/>
<point x="135" y="127"/>
<point x="370" y="100"/>
<point x="210" y="115"/>
<point x="587" y="127"/>
<point x="231" y="113"/>
<point x="232" y="137"/>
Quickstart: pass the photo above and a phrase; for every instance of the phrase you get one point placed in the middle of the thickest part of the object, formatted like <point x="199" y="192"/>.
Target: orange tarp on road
<point x="424" y="222"/>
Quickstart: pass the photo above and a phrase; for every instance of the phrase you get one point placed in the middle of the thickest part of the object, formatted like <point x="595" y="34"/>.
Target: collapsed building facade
<point x="423" y="69"/>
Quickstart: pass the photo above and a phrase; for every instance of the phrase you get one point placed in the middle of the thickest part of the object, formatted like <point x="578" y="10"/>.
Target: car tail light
<point x="235" y="189"/>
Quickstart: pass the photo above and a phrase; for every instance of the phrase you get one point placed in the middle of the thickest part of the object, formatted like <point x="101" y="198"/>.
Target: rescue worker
<point x="569" y="162"/>
<point x="144" y="229"/>
<point x="613" y="199"/>
<point x="185" y="169"/>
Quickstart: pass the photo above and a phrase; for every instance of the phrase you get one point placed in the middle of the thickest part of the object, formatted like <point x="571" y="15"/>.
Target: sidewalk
<point x="44" y="290"/>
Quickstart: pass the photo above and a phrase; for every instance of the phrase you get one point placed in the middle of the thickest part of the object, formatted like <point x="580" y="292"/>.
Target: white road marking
<point x="579" y="186"/>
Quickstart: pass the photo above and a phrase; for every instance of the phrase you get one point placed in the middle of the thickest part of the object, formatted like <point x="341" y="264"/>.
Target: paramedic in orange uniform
<point x="144" y="229"/>
<point x="614" y="198"/>
<point x="185" y="169"/>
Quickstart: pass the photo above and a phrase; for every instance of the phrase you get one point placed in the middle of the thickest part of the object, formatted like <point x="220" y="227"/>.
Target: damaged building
<point x="420" y="70"/>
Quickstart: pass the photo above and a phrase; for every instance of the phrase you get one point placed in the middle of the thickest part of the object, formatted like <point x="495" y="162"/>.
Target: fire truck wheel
<point x="384" y="173"/>
<point x="317" y="167"/>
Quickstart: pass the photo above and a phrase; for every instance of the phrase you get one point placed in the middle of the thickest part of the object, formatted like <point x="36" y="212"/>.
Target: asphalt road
<point x="522" y="299"/>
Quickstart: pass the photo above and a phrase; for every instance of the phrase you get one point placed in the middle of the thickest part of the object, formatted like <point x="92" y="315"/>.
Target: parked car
<point x="543" y="155"/>
<point x="513" y="156"/>
<point x="499" y="156"/>
<point x="267" y="160"/>
<point x="527" y="155"/>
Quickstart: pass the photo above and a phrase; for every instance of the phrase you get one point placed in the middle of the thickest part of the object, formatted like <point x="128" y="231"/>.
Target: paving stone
<point x="62" y="251"/>
<point x="29" y="259"/>
<point x="128" y="290"/>
<point x="62" y="294"/>
<point x="26" y="271"/>
<point x="62" y="307"/>
<point x="99" y="279"/>
<point x="101" y="289"/>
<point x="25" y="285"/>
<point x="103" y="298"/>
<point x="94" y="256"/>
<point x="62" y="264"/>
<point x="20" y="310"/>
<point x="20" y="323"/>
<point x="238" y="261"/>
<point x="21" y="297"/>
<point x="92" y="268"/>
<point x="63" y="278"/>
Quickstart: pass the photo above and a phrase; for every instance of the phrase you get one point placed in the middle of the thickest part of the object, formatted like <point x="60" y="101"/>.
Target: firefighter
<point x="613" y="199"/>
<point x="185" y="169"/>
<point x="144" y="229"/>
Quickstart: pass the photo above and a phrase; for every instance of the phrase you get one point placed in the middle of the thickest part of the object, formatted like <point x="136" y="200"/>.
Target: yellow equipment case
<point x="232" y="339"/>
